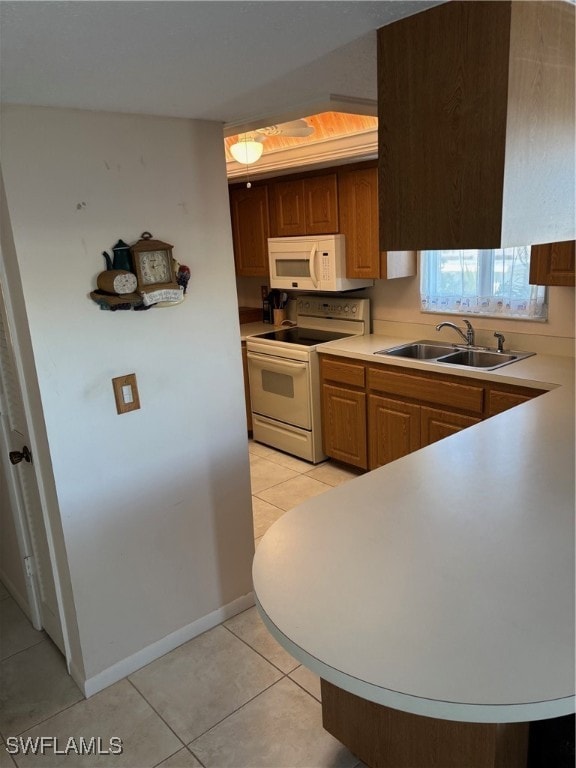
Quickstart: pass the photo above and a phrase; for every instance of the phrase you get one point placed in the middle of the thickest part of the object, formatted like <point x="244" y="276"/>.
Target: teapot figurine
<point x="122" y="257"/>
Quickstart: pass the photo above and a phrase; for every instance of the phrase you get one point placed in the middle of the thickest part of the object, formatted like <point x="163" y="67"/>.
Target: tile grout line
<point x="22" y="650"/>
<point x="273" y="458"/>
<point x="258" y="652"/>
<point x="159" y="765"/>
<point x="327" y="488"/>
<point x="301" y="686"/>
<point x="234" y="711"/>
<point x="255" y="496"/>
<point x="299" y="471"/>
<point x="195" y="756"/>
<point x="300" y="474"/>
<point x="153" y="708"/>
<point x="54" y="714"/>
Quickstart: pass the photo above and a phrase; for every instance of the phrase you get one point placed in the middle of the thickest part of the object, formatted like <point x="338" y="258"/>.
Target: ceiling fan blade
<point x="295" y="128"/>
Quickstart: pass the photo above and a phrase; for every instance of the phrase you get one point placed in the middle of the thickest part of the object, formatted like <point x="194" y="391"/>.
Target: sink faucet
<point x="468" y="336"/>
<point x="501" y="339"/>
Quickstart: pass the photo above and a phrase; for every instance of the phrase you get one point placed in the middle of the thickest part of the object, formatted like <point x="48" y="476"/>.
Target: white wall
<point x="155" y="504"/>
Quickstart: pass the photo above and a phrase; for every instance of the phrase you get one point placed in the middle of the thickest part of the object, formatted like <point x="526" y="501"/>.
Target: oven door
<point x="280" y="389"/>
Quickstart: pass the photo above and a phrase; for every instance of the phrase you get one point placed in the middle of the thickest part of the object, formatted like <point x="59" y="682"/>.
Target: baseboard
<point x="127" y="666"/>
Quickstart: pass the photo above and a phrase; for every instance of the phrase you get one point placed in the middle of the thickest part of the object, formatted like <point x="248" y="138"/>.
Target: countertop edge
<point x="442" y="710"/>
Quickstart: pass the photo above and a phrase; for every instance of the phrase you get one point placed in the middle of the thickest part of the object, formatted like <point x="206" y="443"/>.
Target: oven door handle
<point x="263" y="361"/>
<point x="312" y="265"/>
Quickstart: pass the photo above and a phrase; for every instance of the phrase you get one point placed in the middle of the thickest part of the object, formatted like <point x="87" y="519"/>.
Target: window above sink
<point x="481" y="282"/>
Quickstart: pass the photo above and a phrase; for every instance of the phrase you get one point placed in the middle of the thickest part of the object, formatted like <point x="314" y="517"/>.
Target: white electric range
<point x="283" y="370"/>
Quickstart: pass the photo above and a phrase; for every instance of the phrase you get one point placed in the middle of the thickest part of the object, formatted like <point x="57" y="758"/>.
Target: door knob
<point x="17" y="456"/>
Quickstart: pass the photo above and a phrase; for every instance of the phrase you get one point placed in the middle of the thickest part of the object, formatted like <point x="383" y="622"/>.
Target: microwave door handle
<point x="312" y="264"/>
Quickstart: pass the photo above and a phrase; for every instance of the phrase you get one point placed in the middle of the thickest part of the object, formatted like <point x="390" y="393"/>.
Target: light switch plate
<point x="126" y="393"/>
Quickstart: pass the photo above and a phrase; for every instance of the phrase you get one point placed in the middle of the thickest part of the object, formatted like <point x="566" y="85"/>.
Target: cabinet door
<point x="250" y="230"/>
<point x="394" y="428"/>
<point x="358" y="208"/>
<point x="344" y="425"/>
<point x="321" y="201"/>
<point x="288" y="218"/>
<point x="437" y="424"/>
<point x="553" y="264"/>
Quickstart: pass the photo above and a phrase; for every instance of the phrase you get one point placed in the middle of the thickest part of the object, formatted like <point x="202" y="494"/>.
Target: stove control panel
<point x="337" y="307"/>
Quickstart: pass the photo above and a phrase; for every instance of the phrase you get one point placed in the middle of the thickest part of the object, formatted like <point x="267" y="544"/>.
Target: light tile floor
<point x="230" y="698"/>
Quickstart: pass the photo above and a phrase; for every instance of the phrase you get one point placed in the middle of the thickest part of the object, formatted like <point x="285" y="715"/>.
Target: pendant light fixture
<point x="246" y="150"/>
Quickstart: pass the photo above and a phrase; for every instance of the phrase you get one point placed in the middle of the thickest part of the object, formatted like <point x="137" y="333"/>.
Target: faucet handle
<point x="470" y="334"/>
<point x="501" y="341"/>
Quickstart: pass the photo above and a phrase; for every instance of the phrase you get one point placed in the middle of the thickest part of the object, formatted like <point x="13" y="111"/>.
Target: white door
<point x="17" y="463"/>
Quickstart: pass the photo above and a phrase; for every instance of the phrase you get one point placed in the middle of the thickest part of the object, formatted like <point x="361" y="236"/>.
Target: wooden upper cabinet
<point x="321" y="205"/>
<point x="476" y="126"/>
<point x="306" y="206"/>
<point x="358" y="211"/>
<point x="553" y="264"/>
<point x="288" y="209"/>
<point x="250" y="230"/>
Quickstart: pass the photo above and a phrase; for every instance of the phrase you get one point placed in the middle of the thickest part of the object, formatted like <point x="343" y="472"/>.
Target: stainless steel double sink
<point x="471" y="357"/>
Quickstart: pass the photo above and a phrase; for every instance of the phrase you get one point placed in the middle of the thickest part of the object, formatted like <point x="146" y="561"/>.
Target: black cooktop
<point x="306" y="337"/>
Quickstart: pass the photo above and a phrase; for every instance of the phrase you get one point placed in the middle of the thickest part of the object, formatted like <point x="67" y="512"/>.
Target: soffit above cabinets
<point x="337" y="137"/>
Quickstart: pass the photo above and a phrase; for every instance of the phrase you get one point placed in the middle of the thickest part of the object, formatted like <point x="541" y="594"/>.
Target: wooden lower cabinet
<point x="436" y="424"/>
<point x="394" y="429"/>
<point x="388" y="738"/>
<point x="344" y="425"/>
<point x="372" y="415"/>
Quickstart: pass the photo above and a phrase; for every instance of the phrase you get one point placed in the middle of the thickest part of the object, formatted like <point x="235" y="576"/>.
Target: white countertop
<point x="443" y="583"/>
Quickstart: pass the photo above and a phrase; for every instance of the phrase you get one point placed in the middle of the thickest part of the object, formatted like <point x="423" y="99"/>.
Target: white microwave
<point x="310" y="263"/>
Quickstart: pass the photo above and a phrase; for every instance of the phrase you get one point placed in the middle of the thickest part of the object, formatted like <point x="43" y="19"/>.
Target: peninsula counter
<point x="440" y="585"/>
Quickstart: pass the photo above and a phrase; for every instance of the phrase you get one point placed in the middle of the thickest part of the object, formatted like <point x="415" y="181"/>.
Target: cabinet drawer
<point x="500" y="400"/>
<point x="466" y="397"/>
<point x="344" y="373"/>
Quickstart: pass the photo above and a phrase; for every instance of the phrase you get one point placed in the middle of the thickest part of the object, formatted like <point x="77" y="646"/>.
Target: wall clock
<point x="154" y="268"/>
